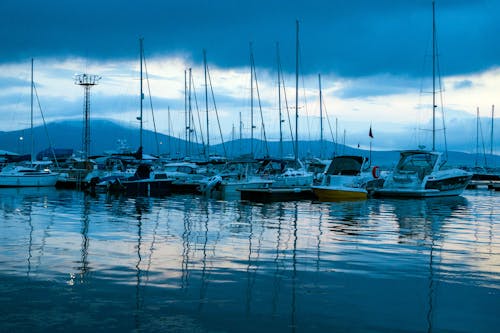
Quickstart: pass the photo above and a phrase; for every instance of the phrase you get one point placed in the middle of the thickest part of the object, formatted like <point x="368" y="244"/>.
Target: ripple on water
<point x="310" y="266"/>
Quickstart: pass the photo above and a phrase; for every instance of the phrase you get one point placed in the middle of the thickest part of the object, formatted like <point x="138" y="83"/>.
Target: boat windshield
<point x="345" y="165"/>
<point x="417" y="162"/>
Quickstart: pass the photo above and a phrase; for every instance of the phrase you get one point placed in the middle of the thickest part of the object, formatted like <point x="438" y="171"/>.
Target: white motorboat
<point x="346" y="179"/>
<point x="419" y="173"/>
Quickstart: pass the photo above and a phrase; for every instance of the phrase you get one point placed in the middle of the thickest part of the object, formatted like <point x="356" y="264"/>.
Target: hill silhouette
<point x="105" y="135"/>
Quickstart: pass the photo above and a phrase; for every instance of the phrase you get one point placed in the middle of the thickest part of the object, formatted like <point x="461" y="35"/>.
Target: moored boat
<point x="346" y="179"/>
<point x="419" y="173"/>
<point x="27" y="176"/>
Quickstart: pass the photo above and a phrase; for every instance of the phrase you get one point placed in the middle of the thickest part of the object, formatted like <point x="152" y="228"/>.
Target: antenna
<point x="87" y="81"/>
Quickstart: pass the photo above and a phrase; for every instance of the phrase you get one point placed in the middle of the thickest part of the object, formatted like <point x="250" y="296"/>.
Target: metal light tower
<point x="87" y="81"/>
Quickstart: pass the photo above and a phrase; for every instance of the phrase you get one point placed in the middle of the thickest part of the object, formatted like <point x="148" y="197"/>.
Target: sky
<point x="374" y="58"/>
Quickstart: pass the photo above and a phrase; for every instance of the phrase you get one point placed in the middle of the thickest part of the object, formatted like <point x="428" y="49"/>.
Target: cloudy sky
<point x="374" y="57"/>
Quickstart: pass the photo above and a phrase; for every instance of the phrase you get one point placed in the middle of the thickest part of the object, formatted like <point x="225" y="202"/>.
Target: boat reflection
<point x="423" y="219"/>
<point x="349" y="217"/>
<point x="423" y="222"/>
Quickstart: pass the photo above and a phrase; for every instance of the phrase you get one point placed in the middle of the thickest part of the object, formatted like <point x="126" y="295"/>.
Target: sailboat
<point x="36" y="174"/>
<point x="290" y="178"/>
<point x="145" y="181"/>
<point x="420" y="173"/>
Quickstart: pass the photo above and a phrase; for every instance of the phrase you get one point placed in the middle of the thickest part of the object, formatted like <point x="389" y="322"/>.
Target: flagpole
<point x="370" y="151"/>
<point x="370" y="134"/>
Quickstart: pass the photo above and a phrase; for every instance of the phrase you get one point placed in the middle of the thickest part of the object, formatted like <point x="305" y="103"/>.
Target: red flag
<point x="370" y="134"/>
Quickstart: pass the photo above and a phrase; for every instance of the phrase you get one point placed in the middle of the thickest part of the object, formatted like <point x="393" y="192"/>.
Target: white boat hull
<point x="417" y="193"/>
<point x="232" y="190"/>
<point x="41" y="180"/>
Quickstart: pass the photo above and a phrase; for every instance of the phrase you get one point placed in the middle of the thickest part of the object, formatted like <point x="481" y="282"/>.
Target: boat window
<point x="185" y="169"/>
<point x="416" y="162"/>
<point x="344" y="166"/>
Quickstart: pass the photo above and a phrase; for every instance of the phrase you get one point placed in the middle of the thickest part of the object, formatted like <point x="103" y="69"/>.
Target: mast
<point x="142" y="93"/>
<point x="207" y="153"/>
<point x="336" y="134"/>
<point x="251" y="100"/>
<point x="297" y="92"/>
<point x="185" y="113"/>
<point x="477" y="136"/>
<point x="491" y="134"/>
<point x="279" y="100"/>
<point x="320" y="118"/>
<point x="241" y="129"/>
<point x="343" y="143"/>
<point x="433" y="76"/>
<point x="169" y="132"/>
<point x="190" y="112"/>
<point x="31" y="109"/>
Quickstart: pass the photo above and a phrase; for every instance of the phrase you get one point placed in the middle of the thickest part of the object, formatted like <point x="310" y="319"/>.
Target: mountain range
<point x="106" y="135"/>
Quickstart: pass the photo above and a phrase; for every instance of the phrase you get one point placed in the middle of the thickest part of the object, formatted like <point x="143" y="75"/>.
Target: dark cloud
<point x="377" y="86"/>
<point x="351" y="38"/>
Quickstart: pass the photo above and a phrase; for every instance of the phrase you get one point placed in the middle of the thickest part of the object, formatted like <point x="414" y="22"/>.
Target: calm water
<point x="71" y="262"/>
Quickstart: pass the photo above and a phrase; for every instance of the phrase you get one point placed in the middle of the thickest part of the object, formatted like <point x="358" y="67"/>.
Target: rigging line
<point x="328" y="120"/>
<point x="305" y="108"/>
<point x="482" y="140"/>
<point x="152" y="247"/>
<point x="286" y="104"/>
<point x="151" y="104"/>
<point x="260" y="109"/>
<point x="418" y="115"/>
<point x="440" y="86"/>
<point x="51" y="147"/>
<point x="199" y="117"/>
<point x="216" y="112"/>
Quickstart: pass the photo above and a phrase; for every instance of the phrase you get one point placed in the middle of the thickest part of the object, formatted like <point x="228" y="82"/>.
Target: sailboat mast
<point x="190" y="111"/>
<point x="31" y="110"/>
<point x="491" y="134"/>
<point x="241" y="129"/>
<point x="185" y="113"/>
<point x="206" y="102"/>
<point x="142" y="93"/>
<point x="433" y="76"/>
<point x="297" y="92"/>
<point x="251" y="100"/>
<point x="477" y="136"/>
<point x="279" y="99"/>
<point x="169" y="132"/>
<point x="320" y="118"/>
<point x="336" y="134"/>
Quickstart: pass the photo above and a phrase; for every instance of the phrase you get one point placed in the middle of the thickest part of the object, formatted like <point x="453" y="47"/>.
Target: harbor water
<point x="75" y="262"/>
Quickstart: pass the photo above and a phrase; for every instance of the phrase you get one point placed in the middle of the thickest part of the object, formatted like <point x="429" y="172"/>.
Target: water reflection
<point x="196" y="264"/>
<point x="422" y="219"/>
<point x="348" y="217"/>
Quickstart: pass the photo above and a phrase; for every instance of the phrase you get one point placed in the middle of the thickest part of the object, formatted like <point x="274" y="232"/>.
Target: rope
<point x="45" y="126"/>
<point x="216" y="112"/>
<point x="151" y="105"/>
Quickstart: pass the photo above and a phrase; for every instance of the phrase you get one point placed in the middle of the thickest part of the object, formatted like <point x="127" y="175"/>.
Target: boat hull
<point x="326" y="193"/>
<point x="232" y="190"/>
<point x="276" y="194"/>
<point x="145" y="188"/>
<point x="41" y="180"/>
<point x="433" y="188"/>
